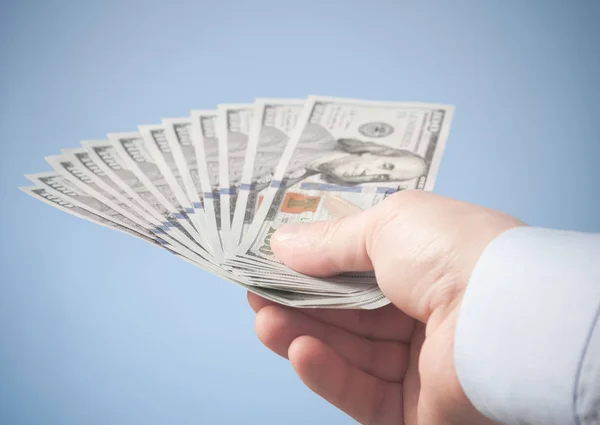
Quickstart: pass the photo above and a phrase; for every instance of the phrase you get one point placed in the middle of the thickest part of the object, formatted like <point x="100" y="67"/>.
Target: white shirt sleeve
<point x="527" y="344"/>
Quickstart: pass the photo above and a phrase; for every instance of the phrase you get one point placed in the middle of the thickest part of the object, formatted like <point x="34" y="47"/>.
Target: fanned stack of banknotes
<point x="213" y="187"/>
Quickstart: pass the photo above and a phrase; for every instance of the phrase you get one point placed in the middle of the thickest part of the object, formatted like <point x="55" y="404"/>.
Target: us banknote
<point x="348" y="154"/>
<point x="59" y="186"/>
<point x="206" y="145"/>
<point x="51" y="198"/>
<point x="114" y="165"/>
<point x="92" y="175"/>
<point x="274" y="121"/>
<point x="154" y="158"/>
<point x="55" y="191"/>
<point x="80" y="177"/>
<point x="147" y="162"/>
<point x="90" y="184"/>
<point x="181" y="143"/>
<point x="234" y="124"/>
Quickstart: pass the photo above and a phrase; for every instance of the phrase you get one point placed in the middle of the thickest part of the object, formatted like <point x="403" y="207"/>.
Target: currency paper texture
<point x="275" y="119"/>
<point x="233" y="127"/>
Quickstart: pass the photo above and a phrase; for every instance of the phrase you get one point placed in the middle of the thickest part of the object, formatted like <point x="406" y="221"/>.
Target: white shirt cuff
<point x="527" y="344"/>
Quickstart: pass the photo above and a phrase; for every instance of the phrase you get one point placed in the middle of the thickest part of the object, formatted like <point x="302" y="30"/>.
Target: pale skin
<point x="394" y="365"/>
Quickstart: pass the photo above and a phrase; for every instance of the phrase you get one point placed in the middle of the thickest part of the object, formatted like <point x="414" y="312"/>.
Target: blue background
<point x="97" y="327"/>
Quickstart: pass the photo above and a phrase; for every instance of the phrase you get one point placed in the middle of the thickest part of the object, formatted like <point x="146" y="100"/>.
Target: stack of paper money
<point x="214" y="186"/>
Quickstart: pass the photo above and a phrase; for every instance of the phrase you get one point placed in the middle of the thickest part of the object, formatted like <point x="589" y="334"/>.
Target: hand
<point x="394" y="365"/>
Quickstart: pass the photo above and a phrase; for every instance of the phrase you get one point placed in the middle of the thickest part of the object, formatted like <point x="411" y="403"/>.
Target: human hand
<point x="394" y="365"/>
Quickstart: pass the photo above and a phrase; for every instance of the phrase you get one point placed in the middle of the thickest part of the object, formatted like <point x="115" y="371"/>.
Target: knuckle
<point x="332" y="228"/>
<point x="331" y="246"/>
<point x="331" y="235"/>
<point x="380" y="226"/>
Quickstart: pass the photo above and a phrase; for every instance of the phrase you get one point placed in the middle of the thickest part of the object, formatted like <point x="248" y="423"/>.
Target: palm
<point x="363" y="362"/>
<point x="377" y="366"/>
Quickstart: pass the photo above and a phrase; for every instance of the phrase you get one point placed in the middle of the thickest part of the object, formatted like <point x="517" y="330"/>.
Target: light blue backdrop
<point x="99" y="328"/>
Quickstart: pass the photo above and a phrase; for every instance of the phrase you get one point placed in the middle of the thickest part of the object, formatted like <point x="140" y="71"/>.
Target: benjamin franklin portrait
<point x="354" y="162"/>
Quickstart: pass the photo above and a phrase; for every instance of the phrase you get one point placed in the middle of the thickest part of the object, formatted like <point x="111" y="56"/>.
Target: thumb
<point x="400" y="239"/>
<point x="325" y="248"/>
<point x="370" y="240"/>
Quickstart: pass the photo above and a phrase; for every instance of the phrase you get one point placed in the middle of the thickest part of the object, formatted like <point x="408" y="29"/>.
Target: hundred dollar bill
<point x="348" y="152"/>
<point x="112" y="163"/>
<point x="81" y="176"/>
<point x="69" y="202"/>
<point x="233" y="127"/>
<point x="315" y="286"/>
<point x="83" y="169"/>
<point x="281" y="297"/>
<point x="94" y="171"/>
<point x="274" y="121"/>
<point x="367" y="300"/>
<point x="60" y="186"/>
<point x="206" y="145"/>
<point x="134" y="150"/>
<point x="62" y="203"/>
<point x="181" y="144"/>
<point x="156" y="151"/>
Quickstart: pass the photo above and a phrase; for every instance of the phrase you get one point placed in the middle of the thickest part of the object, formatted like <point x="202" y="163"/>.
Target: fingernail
<point x="287" y="233"/>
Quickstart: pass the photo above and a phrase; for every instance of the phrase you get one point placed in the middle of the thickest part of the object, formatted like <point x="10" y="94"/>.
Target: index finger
<point x="386" y="323"/>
